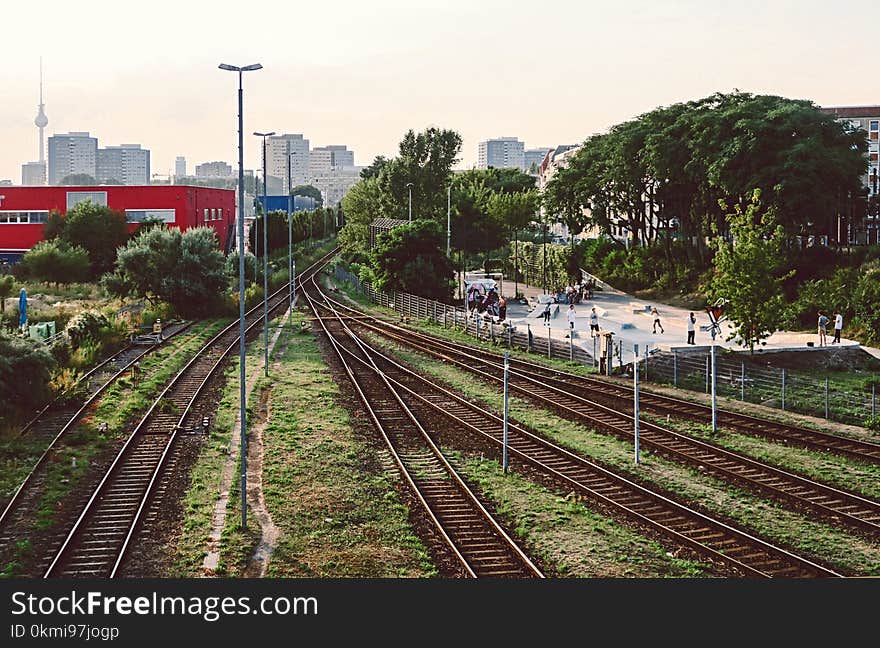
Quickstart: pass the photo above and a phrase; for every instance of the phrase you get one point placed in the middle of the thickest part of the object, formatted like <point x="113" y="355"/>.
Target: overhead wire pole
<point x="448" y="220"/>
<point x="241" y="327"/>
<point x="409" y="186"/>
<point x="265" y="252"/>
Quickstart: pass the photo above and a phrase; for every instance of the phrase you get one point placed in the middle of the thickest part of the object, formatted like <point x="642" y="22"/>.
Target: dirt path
<point x="259" y="561"/>
<point x="218" y="519"/>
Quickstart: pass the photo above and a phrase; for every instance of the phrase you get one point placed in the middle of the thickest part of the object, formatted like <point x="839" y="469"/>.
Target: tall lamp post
<point x="409" y="186"/>
<point x="449" y="220"/>
<point x="241" y="348"/>
<point x="290" y="208"/>
<point x="265" y="253"/>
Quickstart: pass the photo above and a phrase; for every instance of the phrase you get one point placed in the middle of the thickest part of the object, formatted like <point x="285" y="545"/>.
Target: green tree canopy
<point x="185" y="269"/>
<point x="98" y="230"/>
<point x="56" y="261"/>
<point x="412" y="258"/>
<point x="7" y="289"/>
<point x="748" y="273"/>
<point x="25" y="370"/>
<point x="78" y="179"/>
<point x="426" y="161"/>
<point x="360" y="208"/>
<point x="310" y="192"/>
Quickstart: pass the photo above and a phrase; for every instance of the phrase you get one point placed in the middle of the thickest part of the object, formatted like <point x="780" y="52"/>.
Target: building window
<point x="76" y="197"/>
<point x="141" y="215"/>
<point x="875" y="125"/>
<point x="220" y="213"/>
<point x="26" y="217"/>
<point x="206" y="214"/>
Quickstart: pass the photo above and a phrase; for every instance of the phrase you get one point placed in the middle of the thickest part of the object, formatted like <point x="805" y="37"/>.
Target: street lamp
<point x="241" y="348"/>
<point x="290" y="208"/>
<point x="265" y="252"/>
<point x="448" y="220"/>
<point x="409" y="186"/>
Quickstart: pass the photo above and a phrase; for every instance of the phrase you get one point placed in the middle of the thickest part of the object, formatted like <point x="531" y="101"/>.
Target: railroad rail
<point x="716" y="541"/>
<point x="478" y="543"/>
<point x="54" y="423"/>
<point x="835" y="505"/>
<point x="99" y="539"/>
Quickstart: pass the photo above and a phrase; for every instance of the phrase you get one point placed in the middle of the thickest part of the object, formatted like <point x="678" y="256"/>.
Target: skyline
<point x="362" y="76"/>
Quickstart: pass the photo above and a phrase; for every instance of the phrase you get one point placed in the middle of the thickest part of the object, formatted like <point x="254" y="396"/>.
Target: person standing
<point x="822" y="324"/>
<point x="594" y="322"/>
<point x="546" y="314"/>
<point x="502" y="309"/>
<point x="838" y="327"/>
<point x="571" y="316"/>
<point x="691" y="320"/>
<point x="657" y="323"/>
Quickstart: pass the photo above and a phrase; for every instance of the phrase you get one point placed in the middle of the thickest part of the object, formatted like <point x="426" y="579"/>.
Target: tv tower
<point x="41" y="120"/>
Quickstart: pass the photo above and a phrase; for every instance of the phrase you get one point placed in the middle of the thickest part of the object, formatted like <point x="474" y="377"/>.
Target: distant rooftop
<point x="852" y="111"/>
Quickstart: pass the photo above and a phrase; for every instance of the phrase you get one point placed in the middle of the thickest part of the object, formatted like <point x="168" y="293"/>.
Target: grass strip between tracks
<point x="336" y="508"/>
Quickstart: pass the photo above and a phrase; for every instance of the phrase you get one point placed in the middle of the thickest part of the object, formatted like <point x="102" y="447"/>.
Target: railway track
<point x="719" y="543"/>
<point x="53" y="423"/>
<point x="537" y="383"/>
<point x="474" y="539"/>
<point x="97" y="542"/>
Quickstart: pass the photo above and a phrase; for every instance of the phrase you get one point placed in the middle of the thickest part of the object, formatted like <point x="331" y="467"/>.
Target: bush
<point x="872" y="423"/>
<point x="25" y="371"/>
<point x="66" y="386"/>
<point x="57" y="262"/>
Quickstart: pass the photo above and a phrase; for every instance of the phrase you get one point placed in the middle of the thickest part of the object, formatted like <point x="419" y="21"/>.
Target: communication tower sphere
<point x="41" y="120"/>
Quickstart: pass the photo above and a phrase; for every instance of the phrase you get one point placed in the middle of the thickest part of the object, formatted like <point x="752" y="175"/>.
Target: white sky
<point x="362" y="72"/>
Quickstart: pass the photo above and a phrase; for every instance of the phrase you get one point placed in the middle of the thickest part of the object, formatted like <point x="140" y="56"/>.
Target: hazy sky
<point x="361" y="72"/>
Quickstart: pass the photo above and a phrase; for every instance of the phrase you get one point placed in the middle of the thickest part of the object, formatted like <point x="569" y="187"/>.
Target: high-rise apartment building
<point x="128" y="164"/>
<point x="532" y="159"/>
<point x="179" y="167"/>
<point x="33" y="174"/>
<point x="69" y="153"/>
<point x="279" y="149"/>
<point x="322" y="159"/>
<point x="212" y="170"/>
<point x="500" y="153"/>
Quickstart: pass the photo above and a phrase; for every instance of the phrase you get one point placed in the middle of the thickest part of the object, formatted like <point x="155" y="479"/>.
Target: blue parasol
<point x="22" y="308"/>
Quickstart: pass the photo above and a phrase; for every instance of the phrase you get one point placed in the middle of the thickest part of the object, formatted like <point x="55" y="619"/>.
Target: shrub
<point x="25" y="371"/>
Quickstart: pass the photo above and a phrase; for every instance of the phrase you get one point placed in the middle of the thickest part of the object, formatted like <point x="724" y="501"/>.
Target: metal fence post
<point x="873" y="400"/>
<point x="742" y="381"/>
<point x="674" y="368"/>
<point x="714" y="396"/>
<point x="595" y="359"/>
<point x="783" y="388"/>
<point x="826" y="398"/>
<point x="506" y="373"/>
<point x="571" y="346"/>
<point x="636" y="398"/>
<point x="509" y="336"/>
<point x="646" y="361"/>
<point x="492" y="330"/>
<point x="548" y="341"/>
<point x="528" y="337"/>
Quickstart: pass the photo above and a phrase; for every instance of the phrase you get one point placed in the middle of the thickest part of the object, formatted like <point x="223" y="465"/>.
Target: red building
<point x="25" y="210"/>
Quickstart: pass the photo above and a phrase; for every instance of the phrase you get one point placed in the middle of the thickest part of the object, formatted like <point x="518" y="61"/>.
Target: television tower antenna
<point x="41" y="121"/>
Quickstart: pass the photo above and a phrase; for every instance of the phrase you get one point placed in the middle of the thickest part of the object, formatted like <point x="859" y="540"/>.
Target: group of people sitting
<point x="574" y="294"/>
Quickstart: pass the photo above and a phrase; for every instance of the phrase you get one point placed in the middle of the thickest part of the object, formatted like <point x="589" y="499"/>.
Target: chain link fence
<point x="536" y="340"/>
<point x="843" y="401"/>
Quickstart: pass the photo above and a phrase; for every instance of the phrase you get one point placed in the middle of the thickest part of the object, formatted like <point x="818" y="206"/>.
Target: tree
<point x="7" y="287"/>
<point x="185" y="269"/>
<point x="310" y="192"/>
<point x="360" y="208"/>
<point x="375" y="168"/>
<point x="98" y="230"/>
<point x="56" y="261"/>
<point x="78" y="179"/>
<point x="748" y="273"/>
<point x="25" y="370"/>
<point x="426" y="161"/>
<point x="276" y="235"/>
<point x="412" y="258"/>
